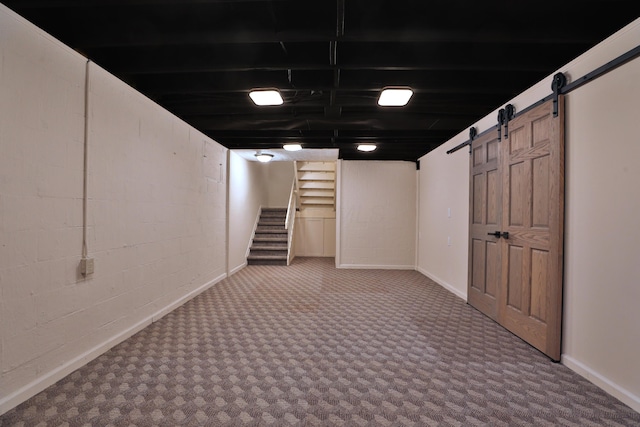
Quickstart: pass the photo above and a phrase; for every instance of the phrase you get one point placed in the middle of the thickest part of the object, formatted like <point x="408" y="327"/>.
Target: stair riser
<point x="256" y="248"/>
<point x="270" y="244"/>
<point x="274" y="214"/>
<point x="267" y="262"/>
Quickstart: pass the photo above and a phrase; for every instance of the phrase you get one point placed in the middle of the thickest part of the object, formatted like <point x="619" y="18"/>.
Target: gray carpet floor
<point x="311" y="345"/>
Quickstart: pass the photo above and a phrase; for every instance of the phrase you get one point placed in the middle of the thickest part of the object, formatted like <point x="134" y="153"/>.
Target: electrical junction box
<point x="86" y="266"/>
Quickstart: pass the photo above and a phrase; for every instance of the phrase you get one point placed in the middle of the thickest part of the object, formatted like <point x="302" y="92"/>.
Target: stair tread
<point x="269" y="248"/>
<point x="267" y="256"/>
<point x="317" y="201"/>
<point x="317" y="193"/>
<point x="317" y="184"/>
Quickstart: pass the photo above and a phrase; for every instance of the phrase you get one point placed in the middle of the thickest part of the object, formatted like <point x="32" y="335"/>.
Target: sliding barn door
<point x="530" y="242"/>
<point x="485" y="218"/>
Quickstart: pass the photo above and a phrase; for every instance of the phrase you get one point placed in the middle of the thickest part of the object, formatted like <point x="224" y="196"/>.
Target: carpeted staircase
<point x="270" y="246"/>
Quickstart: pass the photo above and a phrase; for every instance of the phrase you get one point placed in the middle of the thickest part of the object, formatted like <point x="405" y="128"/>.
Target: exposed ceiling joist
<point x="330" y="60"/>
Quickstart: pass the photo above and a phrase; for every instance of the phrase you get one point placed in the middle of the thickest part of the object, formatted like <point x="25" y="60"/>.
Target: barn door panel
<point x="533" y="214"/>
<point x="485" y="219"/>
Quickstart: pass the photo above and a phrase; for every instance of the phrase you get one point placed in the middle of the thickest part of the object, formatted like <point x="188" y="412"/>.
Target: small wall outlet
<point x="86" y="266"/>
<point x="449" y="241"/>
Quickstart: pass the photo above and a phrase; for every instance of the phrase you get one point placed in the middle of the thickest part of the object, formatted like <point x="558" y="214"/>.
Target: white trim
<point x="227" y="211"/>
<point x="416" y="241"/>
<point x="620" y="393"/>
<point x="238" y="268"/>
<point x="338" y="199"/>
<point x="377" y="267"/>
<point x="177" y="303"/>
<point x="443" y="283"/>
<point x="49" y="378"/>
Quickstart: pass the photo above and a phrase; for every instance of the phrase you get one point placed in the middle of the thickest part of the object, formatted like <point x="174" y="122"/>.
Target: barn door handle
<point x="498" y="234"/>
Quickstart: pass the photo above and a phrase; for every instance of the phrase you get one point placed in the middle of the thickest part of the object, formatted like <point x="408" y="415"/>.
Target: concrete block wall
<point x="156" y="211"/>
<point x="376" y="214"/>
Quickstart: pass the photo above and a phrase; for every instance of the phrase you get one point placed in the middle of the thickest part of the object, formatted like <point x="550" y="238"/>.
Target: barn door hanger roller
<point x="504" y="115"/>
<point x="559" y="81"/>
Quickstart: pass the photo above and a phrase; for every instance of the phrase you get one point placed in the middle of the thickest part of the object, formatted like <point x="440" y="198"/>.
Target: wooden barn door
<point x="529" y="283"/>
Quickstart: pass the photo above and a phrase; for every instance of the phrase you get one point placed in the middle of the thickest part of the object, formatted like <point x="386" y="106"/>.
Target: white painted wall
<point x="377" y="214"/>
<point x="279" y="179"/>
<point x="443" y="212"/>
<point x="156" y="211"/>
<point x="602" y="262"/>
<point x="248" y="192"/>
<point x="601" y="332"/>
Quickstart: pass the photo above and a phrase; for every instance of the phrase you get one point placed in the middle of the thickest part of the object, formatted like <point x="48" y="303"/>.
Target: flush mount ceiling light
<point x="292" y="147"/>
<point x="264" y="157"/>
<point x="395" y="97"/>
<point x="266" y="97"/>
<point x="366" y="147"/>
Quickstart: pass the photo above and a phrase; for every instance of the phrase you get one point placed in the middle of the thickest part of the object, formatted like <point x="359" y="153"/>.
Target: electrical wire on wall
<point x="86" y="265"/>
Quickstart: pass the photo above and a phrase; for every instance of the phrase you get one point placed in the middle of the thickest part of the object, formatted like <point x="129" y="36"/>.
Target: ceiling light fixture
<point x="366" y="147"/>
<point x="264" y="157"/>
<point x="266" y="97"/>
<point x="395" y="97"/>
<point x="292" y="147"/>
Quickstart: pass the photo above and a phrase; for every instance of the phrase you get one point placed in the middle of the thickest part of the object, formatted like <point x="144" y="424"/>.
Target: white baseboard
<point x="177" y="303"/>
<point x="620" y="393"/>
<point x="376" y="267"/>
<point x="443" y="283"/>
<point x="49" y="378"/>
<point x="237" y="268"/>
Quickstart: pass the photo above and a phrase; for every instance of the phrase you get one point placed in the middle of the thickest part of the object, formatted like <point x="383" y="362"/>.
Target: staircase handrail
<point x="296" y="182"/>
<point x="291" y="207"/>
<point x="289" y="221"/>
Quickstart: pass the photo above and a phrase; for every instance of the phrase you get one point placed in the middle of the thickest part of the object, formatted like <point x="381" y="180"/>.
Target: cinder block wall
<point x="156" y="211"/>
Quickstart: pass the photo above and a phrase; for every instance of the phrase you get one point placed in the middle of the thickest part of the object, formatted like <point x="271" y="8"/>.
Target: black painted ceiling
<point x="330" y="59"/>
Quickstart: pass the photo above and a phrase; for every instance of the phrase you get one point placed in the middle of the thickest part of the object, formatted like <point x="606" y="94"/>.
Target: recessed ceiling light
<point x="264" y="157"/>
<point x="292" y="147"/>
<point x="366" y="147"/>
<point x="395" y="97"/>
<point x="266" y="97"/>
